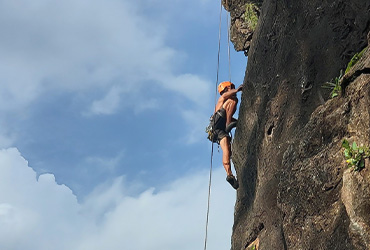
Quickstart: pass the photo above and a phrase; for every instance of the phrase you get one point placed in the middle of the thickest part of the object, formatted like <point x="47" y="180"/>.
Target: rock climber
<point x="225" y="108"/>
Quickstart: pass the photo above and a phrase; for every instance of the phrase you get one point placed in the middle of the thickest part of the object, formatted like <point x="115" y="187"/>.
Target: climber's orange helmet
<point x="222" y="86"/>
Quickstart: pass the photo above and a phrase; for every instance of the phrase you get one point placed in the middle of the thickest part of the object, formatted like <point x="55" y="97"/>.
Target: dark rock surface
<point x="296" y="191"/>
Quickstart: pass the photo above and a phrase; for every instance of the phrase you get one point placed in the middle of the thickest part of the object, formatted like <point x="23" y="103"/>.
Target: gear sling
<point x="217" y="122"/>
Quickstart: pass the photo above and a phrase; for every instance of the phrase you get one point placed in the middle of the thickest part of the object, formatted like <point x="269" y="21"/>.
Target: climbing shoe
<point x="231" y="126"/>
<point x="233" y="182"/>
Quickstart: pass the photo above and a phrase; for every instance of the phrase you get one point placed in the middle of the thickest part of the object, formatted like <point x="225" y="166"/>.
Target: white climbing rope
<point x="218" y="69"/>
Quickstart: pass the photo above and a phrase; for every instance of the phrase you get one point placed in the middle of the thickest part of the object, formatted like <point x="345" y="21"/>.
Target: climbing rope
<point x="218" y="69"/>
<point x="228" y="45"/>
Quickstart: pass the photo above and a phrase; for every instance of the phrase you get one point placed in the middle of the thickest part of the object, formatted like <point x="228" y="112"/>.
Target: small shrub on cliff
<point x="354" y="60"/>
<point x="250" y="15"/>
<point x="355" y="155"/>
<point x="334" y="86"/>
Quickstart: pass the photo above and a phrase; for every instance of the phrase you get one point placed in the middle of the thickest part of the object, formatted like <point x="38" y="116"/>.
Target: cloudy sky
<point x="103" y="106"/>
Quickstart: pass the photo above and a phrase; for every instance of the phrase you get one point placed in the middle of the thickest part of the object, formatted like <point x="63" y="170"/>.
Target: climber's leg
<point x="226" y="154"/>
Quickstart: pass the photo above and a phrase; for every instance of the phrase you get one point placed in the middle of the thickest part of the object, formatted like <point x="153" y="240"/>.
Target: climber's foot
<point x="233" y="182"/>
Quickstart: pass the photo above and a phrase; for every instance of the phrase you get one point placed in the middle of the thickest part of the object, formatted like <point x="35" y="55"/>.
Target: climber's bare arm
<point x="229" y="94"/>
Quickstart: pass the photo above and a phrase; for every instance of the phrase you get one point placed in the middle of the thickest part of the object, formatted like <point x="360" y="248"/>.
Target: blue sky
<point x="102" y="114"/>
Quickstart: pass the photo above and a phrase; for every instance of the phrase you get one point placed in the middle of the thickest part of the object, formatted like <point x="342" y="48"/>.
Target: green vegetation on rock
<point x="250" y="15"/>
<point x="355" y="155"/>
<point x="334" y="86"/>
<point x="354" y="60"/>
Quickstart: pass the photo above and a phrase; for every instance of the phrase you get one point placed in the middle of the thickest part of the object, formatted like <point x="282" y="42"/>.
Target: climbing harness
<point x="214" y="122"/>
<point x="209" y="128"/>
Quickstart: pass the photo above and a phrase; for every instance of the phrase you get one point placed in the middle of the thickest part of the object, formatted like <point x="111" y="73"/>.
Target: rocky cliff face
<point x="296" y="191"/>
<point x="240" y="32"/>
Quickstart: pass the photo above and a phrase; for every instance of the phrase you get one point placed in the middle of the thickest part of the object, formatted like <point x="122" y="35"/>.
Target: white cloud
<point x="105" y="163"/>
<point x="40" y="214"/>
<point x="77" y="46"/>
<point x="146" y="104"/>
<point x="32" y="209"/>
<point x="118" y="98"/>
<point x="107" y="105"/>
<point x="193" y="87"/>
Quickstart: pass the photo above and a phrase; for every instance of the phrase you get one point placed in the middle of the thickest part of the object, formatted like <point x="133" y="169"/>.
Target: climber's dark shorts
<point x="221" y="134"/>
<point x="220" y="125"/>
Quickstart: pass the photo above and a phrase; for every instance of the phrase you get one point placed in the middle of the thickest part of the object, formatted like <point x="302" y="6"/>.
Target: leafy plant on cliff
<point x="355" y="155"/>
<point x="354" y="60"/>
<point x="250" y="15"/>
<point x="334" y="86"/>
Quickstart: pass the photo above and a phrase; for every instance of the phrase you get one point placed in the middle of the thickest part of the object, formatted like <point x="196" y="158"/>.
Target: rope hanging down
<point x="228" y="45"/>
<point x="218" y="69"/>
